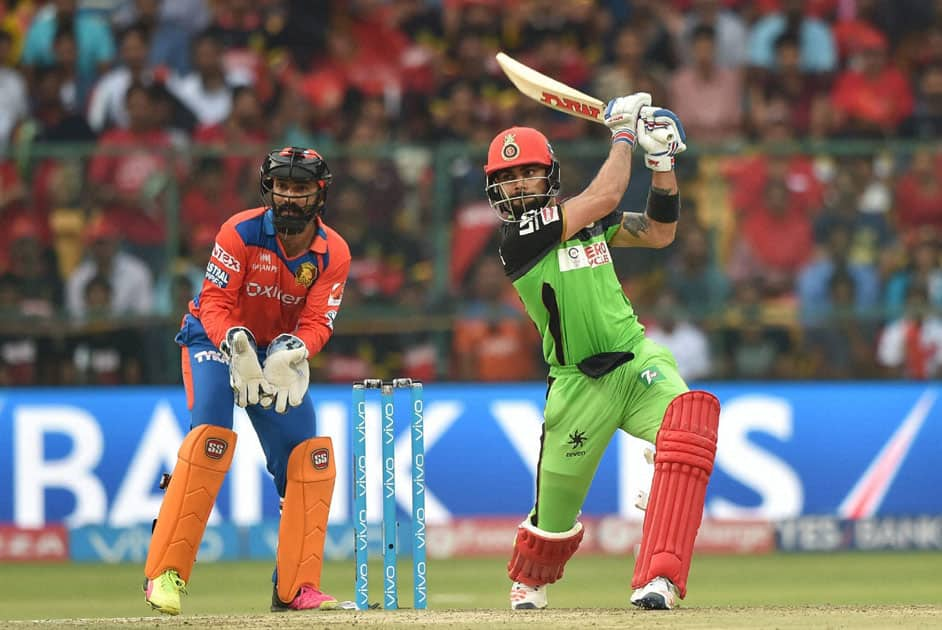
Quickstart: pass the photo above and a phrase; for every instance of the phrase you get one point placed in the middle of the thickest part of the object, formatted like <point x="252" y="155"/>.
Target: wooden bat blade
<point x="549" y="91"/>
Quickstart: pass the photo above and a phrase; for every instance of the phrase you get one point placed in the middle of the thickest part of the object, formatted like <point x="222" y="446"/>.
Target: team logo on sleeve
<point x="306" y="274"/>
<point x="228" y="260"/>
<point x="336" y="294"/>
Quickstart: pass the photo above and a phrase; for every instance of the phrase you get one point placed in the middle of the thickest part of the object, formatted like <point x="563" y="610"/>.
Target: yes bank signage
<point x="96" y="456"/>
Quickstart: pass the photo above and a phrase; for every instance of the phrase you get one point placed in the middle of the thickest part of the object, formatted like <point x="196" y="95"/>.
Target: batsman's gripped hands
<point x="245" y="372"/>
<point x="287" y="371"/>
<point x="662" y="136"/>
<point x="621" y="116"/>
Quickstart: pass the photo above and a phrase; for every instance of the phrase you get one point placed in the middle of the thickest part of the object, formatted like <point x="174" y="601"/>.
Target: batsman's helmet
<point x="518" y="146"/>
<point x="298" y="165"/>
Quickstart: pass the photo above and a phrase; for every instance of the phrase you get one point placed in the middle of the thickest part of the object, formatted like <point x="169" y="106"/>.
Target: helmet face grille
<point x="294" y="212"/>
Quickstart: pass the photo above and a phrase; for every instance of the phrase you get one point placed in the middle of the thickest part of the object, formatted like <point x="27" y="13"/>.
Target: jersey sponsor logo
<point x="336" y="294"/>
<point x="576" y="442"/>
<point x="216" y="448"/>
<point x="331" y="316"/>
<point x="254" y="289"/>
<point x="217" y="276"/>
<point x="549" y="214"/>
<point x="264" y="267"/>
<point x="533" y="221"/>
<point x="210" y="355"/>
<point x="584" y="256"/>
<point x="264" y="257"/>
<point x="651" y="375"/>
<point x="228" y="260"/>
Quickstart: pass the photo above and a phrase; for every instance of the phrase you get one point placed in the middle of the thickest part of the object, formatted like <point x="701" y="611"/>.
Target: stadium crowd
<point x="810" y="242"/>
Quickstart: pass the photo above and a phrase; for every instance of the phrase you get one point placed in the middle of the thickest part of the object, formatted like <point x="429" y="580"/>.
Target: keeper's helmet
<point x="295" y="164"/>
<point x="520" y="146"/>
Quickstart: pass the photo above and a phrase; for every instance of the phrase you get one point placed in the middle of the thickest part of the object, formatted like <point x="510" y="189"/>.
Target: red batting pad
<point x="202" y="462"/>
<point x="686" y="446"/>
<point x="539" y="556"/>
<point x="311" y="472"/>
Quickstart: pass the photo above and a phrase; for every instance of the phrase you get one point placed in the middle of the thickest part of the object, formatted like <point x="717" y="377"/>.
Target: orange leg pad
<point x="309" y="488"/>
<point x="686" y="446"/>
<point x="202" y="463"/>
<point x="539" y="556"/>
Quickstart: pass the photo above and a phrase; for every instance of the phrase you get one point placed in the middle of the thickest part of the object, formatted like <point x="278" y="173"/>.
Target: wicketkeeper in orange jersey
<point x="272" y="290"/>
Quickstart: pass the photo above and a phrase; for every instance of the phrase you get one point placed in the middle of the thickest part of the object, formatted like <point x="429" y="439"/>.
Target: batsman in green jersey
<point x="604" y="375"/>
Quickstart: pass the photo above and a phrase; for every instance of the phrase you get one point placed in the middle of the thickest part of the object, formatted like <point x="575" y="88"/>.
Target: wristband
<point x="624" y="135"/>
<point x="663" y="208"/>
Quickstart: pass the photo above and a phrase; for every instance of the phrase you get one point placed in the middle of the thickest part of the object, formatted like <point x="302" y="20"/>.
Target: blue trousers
<point x="210" y="400"/>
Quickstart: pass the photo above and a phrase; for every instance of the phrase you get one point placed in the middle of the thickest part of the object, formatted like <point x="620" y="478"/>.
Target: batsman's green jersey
<point x="604" y="374"/>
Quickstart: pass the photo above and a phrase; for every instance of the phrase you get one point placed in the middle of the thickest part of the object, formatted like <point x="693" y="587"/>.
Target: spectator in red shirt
<point x="919" y="195"/>
<point x="239" y="138"/>
<point x="776" y="240"/>
<point x="874" y="99"/>
<point x="126" y="171"/>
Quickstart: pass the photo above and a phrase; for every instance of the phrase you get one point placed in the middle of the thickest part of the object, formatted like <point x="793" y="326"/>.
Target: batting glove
<point x="621" y="116"/>
<point x="245" y="372"/>
<point x="662" y="136"/>
<point x="288" y="371"/>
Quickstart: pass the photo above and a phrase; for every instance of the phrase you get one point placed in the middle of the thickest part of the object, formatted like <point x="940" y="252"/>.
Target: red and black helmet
<point x="518" y="146"/>
<point x="298" y="165"/>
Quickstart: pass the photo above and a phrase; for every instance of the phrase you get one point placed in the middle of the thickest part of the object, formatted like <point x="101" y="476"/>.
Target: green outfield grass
<point x="54" y="591"/>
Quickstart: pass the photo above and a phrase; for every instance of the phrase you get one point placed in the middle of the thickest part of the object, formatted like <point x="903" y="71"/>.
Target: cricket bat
<point x="550" y="92"/>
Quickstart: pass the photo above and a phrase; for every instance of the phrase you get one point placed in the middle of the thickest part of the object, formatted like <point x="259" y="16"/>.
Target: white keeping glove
<point x="245" y="372"/>
<point x="288" y="371"/>
<point x="662" y="136"/>
<point x="621" y="116"/>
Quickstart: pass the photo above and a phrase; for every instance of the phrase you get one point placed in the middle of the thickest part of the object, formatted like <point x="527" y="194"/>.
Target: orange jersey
<point x="251" y="282"/>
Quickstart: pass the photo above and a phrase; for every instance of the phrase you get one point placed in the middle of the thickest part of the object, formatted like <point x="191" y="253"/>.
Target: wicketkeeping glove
<point x="245" y="372"/>
<point x="287" y="370"/>
<point x="621" y="116"/>
<point x="662" y="136"/>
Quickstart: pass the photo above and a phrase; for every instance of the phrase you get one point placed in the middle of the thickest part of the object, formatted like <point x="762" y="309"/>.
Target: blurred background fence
<point x="793" y="260"/>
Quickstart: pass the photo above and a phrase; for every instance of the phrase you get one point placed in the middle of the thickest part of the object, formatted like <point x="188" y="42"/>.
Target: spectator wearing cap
<point x="94" y="42"/>
<point x="130" y="279"/>
<point x="818" y="52"/>
<point x="871" y="98"/>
